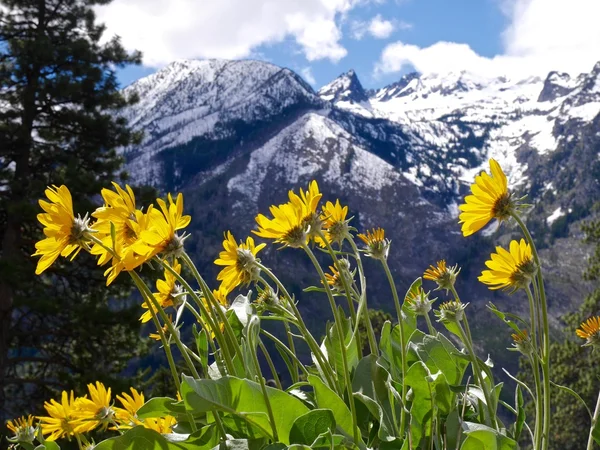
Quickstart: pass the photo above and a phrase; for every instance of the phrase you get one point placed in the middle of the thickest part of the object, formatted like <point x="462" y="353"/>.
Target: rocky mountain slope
<point x="234" y="136"/>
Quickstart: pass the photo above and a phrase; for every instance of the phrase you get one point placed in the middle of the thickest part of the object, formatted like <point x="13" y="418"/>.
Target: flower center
<point x="502" y="207"/>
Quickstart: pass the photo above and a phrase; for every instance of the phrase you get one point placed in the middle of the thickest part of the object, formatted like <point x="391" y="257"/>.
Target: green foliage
<point x="59" y="124"/>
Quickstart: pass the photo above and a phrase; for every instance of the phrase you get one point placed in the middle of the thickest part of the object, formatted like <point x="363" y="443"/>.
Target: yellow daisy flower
<point x="444" y="276"/>
<point x="96" y="410"/>
<point x="522" y="342"/>
<point x="119" y="212"/>
<point x="22" y="429"/>
<point x="161" y="236"/>
<point x="61" y="420"/>
<point x="286" y="227"/>
<point x="334" y="279"/>
<point x="65" y="234"/>
<point x="490" y="199"/>
<point x="163" y="425"/>
<point x="590" y="331"/>
<point x="377" y="245"/>
<point x="309" y="202"/>
<point x="168" y="292"/>
<point x="221" y="294"/>
<point x="335" y="224"/>
<point x="239" y="261"/>
<point x="127" y="416"/>
<point x="511" y="269"/>
<point x="165" y="329"/>
<point x="419" y="302"/>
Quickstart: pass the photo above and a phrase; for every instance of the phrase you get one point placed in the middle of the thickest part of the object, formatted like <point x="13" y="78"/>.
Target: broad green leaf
<point x="327" y="399"/>
<point x="328" y="440"/>
<point x="48" y="445"/>
<point x="140" y="438"/>
<point x="334" y="346"/>
<point x="244" y="398"/>
<point x="308" y="427"/>
<point x="409" y="319"/>
<point x="369" y="386"/>
<point x="438" y="353"/>
<point x="480" y="437"/>
<point x="160" y="407"/>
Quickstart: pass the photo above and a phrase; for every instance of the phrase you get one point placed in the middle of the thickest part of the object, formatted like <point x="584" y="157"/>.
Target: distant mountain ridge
<point x="234" y="136"/>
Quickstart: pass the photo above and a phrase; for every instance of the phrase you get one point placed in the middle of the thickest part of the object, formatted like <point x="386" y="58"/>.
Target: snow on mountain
<point x="191" y="98"/>
<point x="501" y="115"/>
<point x="313" y="144"/>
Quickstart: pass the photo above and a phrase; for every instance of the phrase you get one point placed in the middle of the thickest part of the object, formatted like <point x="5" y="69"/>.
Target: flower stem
<point x="400" y="316"/>
<point x="430" y="325"/>
<point x="208" y="317"/>
<point x="165" y="319"/>
<point x="590" y="445"/>
<point x="308" y="337"/>
<point x="363" y="299"/>
<point x="477" y="373"/>
<point x="545" y="332"/>
<point x="347" y="291"/>
<point x="535" y="367"/>
<point x="342" y="341"/>
<point x="215" y="305"/>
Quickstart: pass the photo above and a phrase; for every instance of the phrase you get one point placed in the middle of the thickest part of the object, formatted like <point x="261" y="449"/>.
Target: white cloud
<point x="307" y="74"/>
<point x="380" y="28"/>
<point x="377" y="27"/>
<point x="543" y="35"/>
<point x="175" y="29"/>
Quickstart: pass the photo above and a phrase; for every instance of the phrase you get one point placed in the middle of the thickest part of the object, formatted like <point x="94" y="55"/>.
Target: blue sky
<point x="379" y="39"/>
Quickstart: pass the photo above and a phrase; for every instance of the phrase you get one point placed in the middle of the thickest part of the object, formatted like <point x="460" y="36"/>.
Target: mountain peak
<point x="346" y="87"/>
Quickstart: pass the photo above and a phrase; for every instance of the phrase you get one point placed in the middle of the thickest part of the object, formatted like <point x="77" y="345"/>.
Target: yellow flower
<point x="221" y="294"/>
<point x="96" y="410"/>
<point x="590" y="331"/>
<point x="65" y="234"/>
<point x="419" y="302"/>
<point x="451" y="311"/>
<point x="377" y="245"/>
<point x="309" y="202"/>
<point x="168" y="292"/>
<point x="165" y="329"/>
<point x="22" y="429"/>
<point x="163" y="425"/>
<point x="490" y="199"/>
<point x="443" y="275"/>
<point x="160" y="237"/>
<point x="334" y="279"/>
<point x="239" y="261"/>
<point x="127" y="416"/>
<point x="522" y="343"/>
<point x="509" y="269"/>
<point x="61" y="420"/>
<point x="119" y="213"/>
<point x="335" y="224"/>
<point x="286" y="227"/>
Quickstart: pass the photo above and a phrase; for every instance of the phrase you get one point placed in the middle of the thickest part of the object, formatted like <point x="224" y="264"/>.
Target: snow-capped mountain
<point x="234" y="136"/>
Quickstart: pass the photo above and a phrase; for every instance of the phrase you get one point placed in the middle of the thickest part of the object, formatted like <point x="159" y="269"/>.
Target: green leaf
<point x="201" y="338"/>
<point x="520" y="421"/>
<point x="369" y="386"/>
<point x="574" y="394"/>
<point x="504" y="317"/>
<point x="160" y="407"/>
<point x="244" y="398"/>
<point x="334" y="346"/>
<point x="328" y="399"/>
<point x="48" y="445"/>
<point x="307" y="428"/>
<point x="481" y="437"/>
<point x="140" y="438"/>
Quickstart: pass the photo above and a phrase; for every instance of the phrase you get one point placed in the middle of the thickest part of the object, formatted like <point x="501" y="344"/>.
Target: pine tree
<point x="59" y="124"/>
